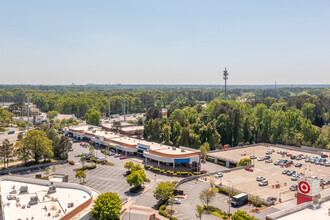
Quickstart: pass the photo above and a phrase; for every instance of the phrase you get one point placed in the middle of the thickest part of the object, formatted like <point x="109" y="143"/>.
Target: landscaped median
<point x="169" y="172"/>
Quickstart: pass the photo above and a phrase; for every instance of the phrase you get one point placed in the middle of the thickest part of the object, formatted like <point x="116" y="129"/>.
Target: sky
<point x="164" y="42"/>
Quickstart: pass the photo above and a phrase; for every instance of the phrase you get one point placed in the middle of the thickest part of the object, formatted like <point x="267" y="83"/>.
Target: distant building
<point x="65" y="116"/>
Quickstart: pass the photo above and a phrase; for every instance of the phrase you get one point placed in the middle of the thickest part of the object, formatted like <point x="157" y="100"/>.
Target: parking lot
<point x="245" y="181"/>
<point x="106" y="178"/>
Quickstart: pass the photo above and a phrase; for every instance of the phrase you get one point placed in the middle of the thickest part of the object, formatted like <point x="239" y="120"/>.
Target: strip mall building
<point x="155" y="154"/>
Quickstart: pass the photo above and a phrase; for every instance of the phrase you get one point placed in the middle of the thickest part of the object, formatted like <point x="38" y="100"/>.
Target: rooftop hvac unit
<point x="182" y="150"/>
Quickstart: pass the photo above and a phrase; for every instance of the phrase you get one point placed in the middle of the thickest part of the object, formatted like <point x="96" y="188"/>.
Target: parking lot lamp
<point x="129" y="213"/>
<point x="229" y="181"/>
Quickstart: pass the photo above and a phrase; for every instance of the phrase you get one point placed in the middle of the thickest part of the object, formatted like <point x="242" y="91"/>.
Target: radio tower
<point x="225" y="77"/>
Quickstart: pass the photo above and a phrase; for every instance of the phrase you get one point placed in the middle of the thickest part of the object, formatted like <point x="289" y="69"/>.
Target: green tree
<point x="93" y="117"/>
<point x="136" y="178"/>
<point x="46" y="171"/>
<point x="242" y="215"/>
<point x="105" y="152"/>
<point x="38" y="144"/>
<point x="52" y="114"/>
<point x="82" y="159"/>
<point x="207" y="196"/>
<point x="6" y="151"/>
<point x="136" y="167"/>
<point x="22" y="152"/>
<point x="80" y="175"/>
<point x="204" y="149"/>
<point x="19" y="136"/>
<point x="107" y="207"/>
<point x="244" y="162"/>
<point x="308" y="111"/>
<point x="164" y="190"/>
<point x="128" y="165"/>
<point x="199" y="211"/>
<point x="92" y="150"/>
<point x="62" y="148"/>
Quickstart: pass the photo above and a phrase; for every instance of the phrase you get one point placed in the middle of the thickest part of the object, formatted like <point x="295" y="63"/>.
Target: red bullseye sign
<point x="304" y="187"/>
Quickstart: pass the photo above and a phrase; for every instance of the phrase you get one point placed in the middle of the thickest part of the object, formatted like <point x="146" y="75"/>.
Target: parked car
<point x="263" y="183"/>
<point x="218" y="175"/>
<point x="293" y="187"/>
<point x="117" y="155"/>
<point x="260" y="158"/>
<point x="298" y="165"/>
<point x="324" y="156"/>
<point x="271" y="198"/>
<point x="266" y="157"/>
<point x="111" y="153"/>
<point x="269" y="152"/>
<point x="123" y="157"/>
<point x="269" y="161"/>
<point x="327" y="164"/>
<point x="289" y="173"/>
<point x="177" y="201"/>
<point x="284" y="171"/>
<point x="293" y="157"/>
<point x="260" y="178"/>
<point x="294" y="178"/>
<point x="249" y="169"/>
<point x="253" y="157"/>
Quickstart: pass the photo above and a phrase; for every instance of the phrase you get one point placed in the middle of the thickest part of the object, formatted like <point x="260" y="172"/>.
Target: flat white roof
<point x="14" y="210"/>
<point x="133" y="141"/>
<point x="308" y="213"/>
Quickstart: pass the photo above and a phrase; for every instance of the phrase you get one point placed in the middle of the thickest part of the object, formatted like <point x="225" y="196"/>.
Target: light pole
<point x="129" y="213"/>
<point x="229" y="181"/>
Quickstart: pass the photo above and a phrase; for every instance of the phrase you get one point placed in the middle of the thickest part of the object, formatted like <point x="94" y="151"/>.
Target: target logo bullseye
<point x="304" y="187"/>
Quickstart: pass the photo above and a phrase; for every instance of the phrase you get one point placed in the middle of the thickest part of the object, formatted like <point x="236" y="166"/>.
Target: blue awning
<point x="143" y="148"/>
<point x="183" y="160"/>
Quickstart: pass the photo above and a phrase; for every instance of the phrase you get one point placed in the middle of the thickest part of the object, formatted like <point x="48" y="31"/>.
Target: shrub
<point x="196" y="173"/>
<point x="178" y="173"/>
<point x="146" y="166"/>
<point x="184" y="173"/>
<point x="162" y="171"/>
<point x="109" y="163"/>
<point x="168" y="171"/>
<point x="86" y="167"/>
<point x="162" y="212"/>
<point x="255" y="202"/>
<point x="210" y="160"/>
<point x="155" y="169"/>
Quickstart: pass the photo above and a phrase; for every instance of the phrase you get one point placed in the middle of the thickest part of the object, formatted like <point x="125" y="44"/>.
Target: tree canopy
<point x="107" y="207"/>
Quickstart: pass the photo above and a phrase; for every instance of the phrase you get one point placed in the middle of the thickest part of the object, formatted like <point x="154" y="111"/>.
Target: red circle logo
<point x="304" y="187"/>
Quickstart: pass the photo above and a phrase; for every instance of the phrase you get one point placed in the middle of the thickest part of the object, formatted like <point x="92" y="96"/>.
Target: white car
<point x="263" y="183"/>
<point x="218" y="175"/>
<point x="177" y="201"/>
<point x="260" y="178"/>
<point x="260" y="158"/>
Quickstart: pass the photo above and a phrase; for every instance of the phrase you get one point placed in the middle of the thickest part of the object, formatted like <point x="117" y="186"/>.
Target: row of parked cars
<point x="262" y="181"/>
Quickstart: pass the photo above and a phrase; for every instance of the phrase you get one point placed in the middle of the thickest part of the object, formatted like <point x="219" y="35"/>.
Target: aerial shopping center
<point x="155" y="154"/>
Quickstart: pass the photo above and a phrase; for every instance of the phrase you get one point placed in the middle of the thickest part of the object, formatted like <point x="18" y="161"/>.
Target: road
<point x="10" y="137"/>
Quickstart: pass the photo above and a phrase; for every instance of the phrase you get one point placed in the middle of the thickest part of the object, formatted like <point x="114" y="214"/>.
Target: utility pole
<point x="275" y="97"/>
<point x="28" y="114"/>
<point x="124" y="106"/>
<point x="225" y="77"/>
<point x="109" y="105"/>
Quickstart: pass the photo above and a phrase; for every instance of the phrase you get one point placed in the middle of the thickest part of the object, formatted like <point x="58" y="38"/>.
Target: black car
<point x="324" y="156"/>
<point x="266" y="157"/>
<point x="293" y="157"/>
<point x="271" y="198"/>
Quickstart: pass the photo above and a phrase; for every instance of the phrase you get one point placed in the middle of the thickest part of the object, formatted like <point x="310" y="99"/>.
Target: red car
<point x="123" y="157"/>
<point x="249" y="169"/>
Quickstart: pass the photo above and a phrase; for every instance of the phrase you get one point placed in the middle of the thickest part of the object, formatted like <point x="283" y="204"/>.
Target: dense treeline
<point x="79" y="100"/>
<point x="235" y="123"/>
